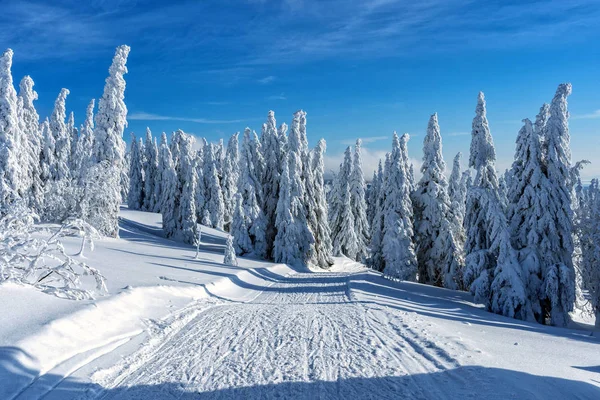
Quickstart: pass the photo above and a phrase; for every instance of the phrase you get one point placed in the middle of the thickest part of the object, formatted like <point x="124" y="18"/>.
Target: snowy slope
<point x="270" y="332"/>
<point x="148" y="279"/>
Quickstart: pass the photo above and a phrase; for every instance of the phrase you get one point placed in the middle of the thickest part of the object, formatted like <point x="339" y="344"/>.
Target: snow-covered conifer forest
<point x="455" y="282"/>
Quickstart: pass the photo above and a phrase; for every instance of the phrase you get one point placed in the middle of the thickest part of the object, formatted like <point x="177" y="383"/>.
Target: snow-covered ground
<point x="176" y="327"/>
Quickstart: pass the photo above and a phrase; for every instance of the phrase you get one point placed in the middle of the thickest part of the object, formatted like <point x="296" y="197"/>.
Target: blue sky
<point x="359" y="68"/>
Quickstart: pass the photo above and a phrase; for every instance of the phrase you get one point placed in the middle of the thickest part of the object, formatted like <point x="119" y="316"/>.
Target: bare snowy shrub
<point x="29" y="259"/>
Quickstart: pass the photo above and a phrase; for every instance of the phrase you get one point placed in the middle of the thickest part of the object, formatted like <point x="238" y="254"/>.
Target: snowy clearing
<point x="265" y="331"/>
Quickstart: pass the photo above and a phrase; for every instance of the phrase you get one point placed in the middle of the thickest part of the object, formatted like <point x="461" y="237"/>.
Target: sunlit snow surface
<point x="178" y="327"/>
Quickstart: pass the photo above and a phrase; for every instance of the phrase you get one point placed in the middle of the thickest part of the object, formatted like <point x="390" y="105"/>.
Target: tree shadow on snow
<point x="19" y="382"/>
<point x="435" y="302"/>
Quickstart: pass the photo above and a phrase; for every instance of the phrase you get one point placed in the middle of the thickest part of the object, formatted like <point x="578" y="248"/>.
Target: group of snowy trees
<point x="522" y="242"/>
<point x="526" y="243"/>
<point x="270" y="195"/>
<point x="57" y="170"/>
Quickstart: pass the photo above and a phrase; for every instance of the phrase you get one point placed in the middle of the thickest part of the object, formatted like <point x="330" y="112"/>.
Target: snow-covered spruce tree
<point x="229" y="257"/>
<point x="376" y="260"/>
<point x="214" y="196"/>
<point x="181" y="201"/>
<point x="591" y="248"/>
<point x="220" y="161"/>
<point x="273" y="152"/>
<point x="290" y="243"/>
<point x="398" y="247"/>
<point x="343" y="236"/>
<point x="231" y="175"/>
<point x="439" y="255"/>
<point x="294" y="237"/>
<point x="150" y="171"/>
<point x="541" y="120"/>
<point x="558" y="285"/>
<point x="79" y="160"/>
<point x="187" y="223"/>
<point x="62" y="138"/>
<point x="358" y="203"/>
<point x="10" y="169"/>
<point x="86" y="138"/>
<point x="457" y="190"/>
<point x="168" y="187"/>
<point x="320" y="229"/>
<point x="242" y="243"/>
<point x="47" y="153"/>
<point x="109" y="146"/>
<point x="527" y="212"/>
<point x="135" y="194"/>
<point x="201" y="210"/>
<point x="73" y="138"/>
<point x="31" y="142"/>
<point x="492" y="270"/>
<point x="254" y="224"/>
<point x="372" y="195"/>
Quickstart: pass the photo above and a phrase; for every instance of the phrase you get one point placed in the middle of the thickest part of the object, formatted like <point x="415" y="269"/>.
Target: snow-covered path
<point x="307" y="336"/>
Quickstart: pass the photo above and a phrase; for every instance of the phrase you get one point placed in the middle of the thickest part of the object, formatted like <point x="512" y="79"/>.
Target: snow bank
<point x="149" y="279"/>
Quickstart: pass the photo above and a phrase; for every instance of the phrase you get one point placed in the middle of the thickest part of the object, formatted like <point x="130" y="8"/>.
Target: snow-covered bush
<point x="28" y="257"/>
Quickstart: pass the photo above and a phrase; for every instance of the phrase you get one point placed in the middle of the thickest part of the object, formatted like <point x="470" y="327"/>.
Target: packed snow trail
<point x="306" y="336"/>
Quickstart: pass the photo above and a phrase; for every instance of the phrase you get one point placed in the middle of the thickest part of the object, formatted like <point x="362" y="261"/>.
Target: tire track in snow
<point x="305" y="328"/>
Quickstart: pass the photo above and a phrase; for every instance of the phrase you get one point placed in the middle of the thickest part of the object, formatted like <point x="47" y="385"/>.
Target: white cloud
<point x="593" y="115"/>
<point x="266" y="80"/>
<point x="458" y="134"/>
<point x="277" y="97"/>
<point x="369" y="139"/>
<point x="144" y="116"/>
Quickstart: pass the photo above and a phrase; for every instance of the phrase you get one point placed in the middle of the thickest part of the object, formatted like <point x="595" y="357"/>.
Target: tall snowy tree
<point x="150" y="171"/>
<point x="398" y="246"/>
<point x="62" y="138"/>
<point x="31" y="144"/>
<point x="109" y="146"/>
<point x="47" y="152"/>
<point x="456" y="190"/>
<point x="180" y="203"/>
<point x="166" y="185"/>
<point x="9" y="133"/>
<point x="492" y="271"/>
<point x="201" y="184"/>
<point x="320" y="222"/>
<point x="254" y="221"/>
<point x="559" y="278"/>
<point x="87" y="132"/>
<point x="214" y="196"/>
<point x="438" y="252"/>
<point x="273" y="154"/>
<point x="343" y="236"/>
<point x="376" y="260"/>
<point x="136" y="181"/>
<point x="231" y="174"/>
<point x="527" y="212"/>
<point x="187" y="224"/>
<point x="358" y="203"/>
<point x="294" y="237"/>
<point x="73" y="139"/>
<point x="373" y="195"/>
<point x="590" y="243"/>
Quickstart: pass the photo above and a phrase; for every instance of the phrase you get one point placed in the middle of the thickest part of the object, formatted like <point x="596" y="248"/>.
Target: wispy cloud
<point x="459" y="134"/>
<point x="266" y="80"/>
<point x="365" y="140"/>
<point x="592" y="115"/>
<point x="298" y="31"/>
<point x="217" y="103"/>
<point x="277" y="97"/>
<point x="143" y="116"/>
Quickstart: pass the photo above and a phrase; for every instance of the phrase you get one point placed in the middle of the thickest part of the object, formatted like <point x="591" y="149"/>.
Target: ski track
<point x="305" y="328"/>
